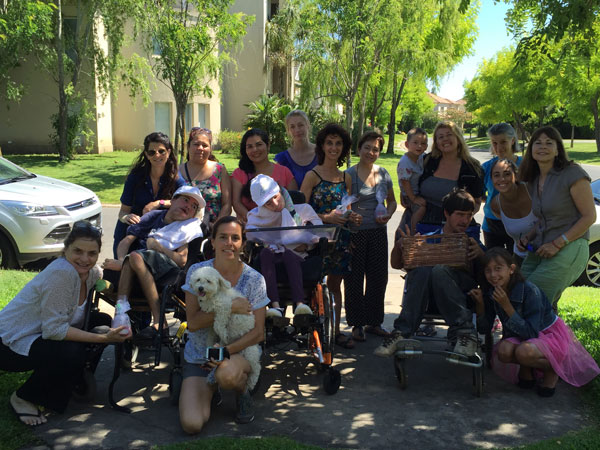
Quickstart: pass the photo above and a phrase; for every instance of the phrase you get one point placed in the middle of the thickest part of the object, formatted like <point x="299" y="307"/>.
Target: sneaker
<point x="245" y="408"/>
<point x="388" y="347"/>
<point x="275" y="312"/>
<point x="302" y="308"/>
<point x="466" y="343"/>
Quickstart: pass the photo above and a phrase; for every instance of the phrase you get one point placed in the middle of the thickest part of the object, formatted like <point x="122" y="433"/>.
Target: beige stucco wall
<point x="248" y="81"/>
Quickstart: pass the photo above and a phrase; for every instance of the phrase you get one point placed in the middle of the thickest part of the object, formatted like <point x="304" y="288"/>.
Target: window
<point x="70" y="35"/>
<point x="162" y="117"/>
<point x="202" y="115"/>
<point x="155" y="47"/>
<point x="189" y="112"/>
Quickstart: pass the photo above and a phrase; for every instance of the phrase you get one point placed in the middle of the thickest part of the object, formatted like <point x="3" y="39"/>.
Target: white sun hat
<point x="263" y="188"/>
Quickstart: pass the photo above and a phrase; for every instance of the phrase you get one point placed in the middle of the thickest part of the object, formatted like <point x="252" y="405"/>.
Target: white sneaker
<point x="388" y="347"/>
<point x="466" y="343"/>
<point x="302" y="309"/>
<point x="275" y="312"/>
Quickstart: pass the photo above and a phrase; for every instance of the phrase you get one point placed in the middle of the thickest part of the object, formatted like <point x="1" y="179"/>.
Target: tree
<point x="193" y="38"/>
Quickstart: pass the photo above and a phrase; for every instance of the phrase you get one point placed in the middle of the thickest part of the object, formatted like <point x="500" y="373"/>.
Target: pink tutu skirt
<point x="569" y="359"/>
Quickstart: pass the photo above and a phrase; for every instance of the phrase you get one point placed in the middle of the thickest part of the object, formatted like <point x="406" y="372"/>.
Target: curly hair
<point x="333" y="129"/>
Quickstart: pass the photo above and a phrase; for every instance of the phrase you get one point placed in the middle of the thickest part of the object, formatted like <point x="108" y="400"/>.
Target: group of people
<point x="540" y="212"/>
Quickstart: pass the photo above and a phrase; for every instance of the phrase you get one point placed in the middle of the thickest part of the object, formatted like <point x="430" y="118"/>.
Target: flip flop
<point x="21" y="415"/>
<point x="344" y="341"/>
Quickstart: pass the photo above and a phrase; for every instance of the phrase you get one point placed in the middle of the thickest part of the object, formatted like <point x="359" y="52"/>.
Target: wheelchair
<point x="171" y="302"/>
<point x="314" y="332"/>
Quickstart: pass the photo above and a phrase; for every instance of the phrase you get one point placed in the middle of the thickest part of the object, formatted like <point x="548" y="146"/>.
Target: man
<point x="445" y="285"/>
<point x="163" y="237"/>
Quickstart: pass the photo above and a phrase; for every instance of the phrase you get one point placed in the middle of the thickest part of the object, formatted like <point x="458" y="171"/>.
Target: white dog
<point x="215" y="294"/>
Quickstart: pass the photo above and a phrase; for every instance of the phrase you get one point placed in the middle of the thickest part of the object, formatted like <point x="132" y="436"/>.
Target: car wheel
<point x="7" y="254"/>
<point x="591" y="273"/>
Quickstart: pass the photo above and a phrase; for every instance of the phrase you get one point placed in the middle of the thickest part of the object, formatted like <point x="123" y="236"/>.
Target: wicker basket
<point x="446" y="249"/>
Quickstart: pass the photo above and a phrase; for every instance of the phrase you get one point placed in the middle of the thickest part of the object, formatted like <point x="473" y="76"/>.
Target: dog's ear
<point x="224" y="283"/>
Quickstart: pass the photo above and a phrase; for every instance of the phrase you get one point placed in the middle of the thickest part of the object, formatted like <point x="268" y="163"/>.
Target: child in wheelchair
<point x="276" y="209"/>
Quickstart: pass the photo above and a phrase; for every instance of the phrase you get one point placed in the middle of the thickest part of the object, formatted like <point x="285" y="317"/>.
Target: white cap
<point x="194" y="193"/>
<point x="263" y="188"/>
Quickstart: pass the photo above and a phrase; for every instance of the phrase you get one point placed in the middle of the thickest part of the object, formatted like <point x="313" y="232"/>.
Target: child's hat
<point x="193" y="192"/>
<point x="263" y="188"/>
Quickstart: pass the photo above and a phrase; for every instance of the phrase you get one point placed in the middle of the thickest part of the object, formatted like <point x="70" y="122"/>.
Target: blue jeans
<point x="448" y="287"/>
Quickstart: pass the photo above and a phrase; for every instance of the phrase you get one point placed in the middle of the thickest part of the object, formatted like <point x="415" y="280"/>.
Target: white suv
<point x="37" y="213"/>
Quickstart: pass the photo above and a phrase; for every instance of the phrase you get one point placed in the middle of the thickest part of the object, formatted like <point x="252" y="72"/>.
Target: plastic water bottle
<point x="121" y="318"/>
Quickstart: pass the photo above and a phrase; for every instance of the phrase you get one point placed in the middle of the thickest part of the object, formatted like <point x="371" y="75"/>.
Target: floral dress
<point x="326" y="195"/>
<point x="211" y="191"/>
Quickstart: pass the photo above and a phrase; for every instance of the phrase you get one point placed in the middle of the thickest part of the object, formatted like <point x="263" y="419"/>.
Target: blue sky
<point x="492" y="37"/>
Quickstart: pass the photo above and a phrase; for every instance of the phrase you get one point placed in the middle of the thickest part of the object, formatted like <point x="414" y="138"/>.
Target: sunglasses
<point x="196" y="130"/>
<point x="87" y="226"/>
<point x="161" y="152"/>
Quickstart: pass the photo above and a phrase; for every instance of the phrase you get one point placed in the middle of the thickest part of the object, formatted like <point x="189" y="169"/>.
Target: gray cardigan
<point x="44" y="307"/>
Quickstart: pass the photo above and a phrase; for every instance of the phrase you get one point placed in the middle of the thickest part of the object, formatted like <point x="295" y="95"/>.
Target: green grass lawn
<point x="582" y="152"/>
<point x="579" y="307"/>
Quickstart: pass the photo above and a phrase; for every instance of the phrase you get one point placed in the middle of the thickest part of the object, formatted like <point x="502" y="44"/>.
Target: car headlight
<point x="30" y="209"/>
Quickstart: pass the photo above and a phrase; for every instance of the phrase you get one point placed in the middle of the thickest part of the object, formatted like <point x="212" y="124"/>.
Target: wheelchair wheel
<point x="400" y="369"/>
<point x="85" y="391"/>
<point x="328" y="338"/>
<point x="332" y="380"/>
<point x="175" y="382"/>
<point x="478" y="381"/>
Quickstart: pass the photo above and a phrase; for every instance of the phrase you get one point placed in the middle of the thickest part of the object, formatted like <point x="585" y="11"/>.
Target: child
<point x="535" y="339"/>
<point x="410" y="168"/>
<point x="275" y="209"/>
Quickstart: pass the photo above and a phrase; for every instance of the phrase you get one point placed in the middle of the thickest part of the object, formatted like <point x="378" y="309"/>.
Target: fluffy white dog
<point x="215" y="294"/>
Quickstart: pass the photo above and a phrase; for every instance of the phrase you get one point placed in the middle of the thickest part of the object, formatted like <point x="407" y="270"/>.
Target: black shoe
<point x="217" y="398"/>
<point x="544" y="391"/>
<point x="148" y="333"/>
<point x="245" y="408"/>
<point x="526" y="384"/>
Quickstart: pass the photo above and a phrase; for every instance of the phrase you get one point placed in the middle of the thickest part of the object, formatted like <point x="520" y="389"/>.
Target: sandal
<point x="344" y="341"/>
<point x="358" y="334"/>
<point x="377" y="330"/>
<point x="426" y="330"/>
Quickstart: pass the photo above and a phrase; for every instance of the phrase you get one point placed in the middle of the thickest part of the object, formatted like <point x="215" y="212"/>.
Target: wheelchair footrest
<point x="277" y="322"/>
<point x="409" y="348"/>
<point x="304" y="320"/>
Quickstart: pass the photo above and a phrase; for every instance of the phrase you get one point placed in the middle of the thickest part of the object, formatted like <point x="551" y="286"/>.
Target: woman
<point x="563" y="202"/>
<point x="41" y="328"/>
<point x="373" y="186"/>
<point x="301" y="156"/>
<point x="150" y="184"/>
<point x="512" y="205"/>
<point x="204" y="172"/>
<point x="449" y="165"/>
<point x="503" y="139"/>
<point x="254" y="160"/>
<point x="324" y="187"/>
<point x="201" y="377"/>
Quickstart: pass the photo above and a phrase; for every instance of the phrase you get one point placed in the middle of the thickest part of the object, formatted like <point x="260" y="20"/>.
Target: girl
<point x="562" y="200"/>
<point x="535" y="338"/>
<point x="373" y="186"/>
<point x="301" y="156"/>
<point x="254" y="160"/>
<point x="150" y="184"/>
<point x="204" y="172"/>
<point x="42" y="328"/>
<point x="275" y="209"/>
<point x="504" y="145"/>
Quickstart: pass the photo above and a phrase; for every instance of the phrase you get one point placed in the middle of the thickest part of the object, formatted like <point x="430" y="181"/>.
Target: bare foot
<point x="27" y="412"/>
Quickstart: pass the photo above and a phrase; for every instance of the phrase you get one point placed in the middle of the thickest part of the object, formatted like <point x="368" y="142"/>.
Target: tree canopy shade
<point x="193" y="38"/>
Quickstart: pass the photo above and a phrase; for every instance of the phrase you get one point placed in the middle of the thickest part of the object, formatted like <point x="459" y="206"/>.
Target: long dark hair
<point x="501" y="254"/>
<point x="246" y="163"/>
<point x="141" y="166"/>
<point x="333" y="129"/>
<point x="529" y="169"/>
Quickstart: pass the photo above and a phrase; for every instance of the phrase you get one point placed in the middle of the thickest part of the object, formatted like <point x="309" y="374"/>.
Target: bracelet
<point x="564" y="238"/>
<point x="122" y="219"/>
<point x="553" y="243"/>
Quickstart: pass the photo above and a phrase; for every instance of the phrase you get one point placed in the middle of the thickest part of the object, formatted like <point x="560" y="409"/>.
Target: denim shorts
<point x="195" y="370"/>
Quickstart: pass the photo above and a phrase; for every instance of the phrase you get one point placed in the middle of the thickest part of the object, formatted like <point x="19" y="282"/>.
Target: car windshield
<point x="10" y="172"/>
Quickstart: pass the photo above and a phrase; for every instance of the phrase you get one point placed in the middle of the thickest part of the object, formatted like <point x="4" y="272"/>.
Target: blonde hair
<point x="463" y="149"/>
<point x="296" y="113"/>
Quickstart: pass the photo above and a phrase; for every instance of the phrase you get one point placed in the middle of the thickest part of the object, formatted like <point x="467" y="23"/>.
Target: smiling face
<point x="544" y="149"/>
<point x="82" y="254"/>
<point x="446" y="141"/>
<point x="502" y="145"/>
<point x="228" y="242"/>
<point x="417" y="144"/>
<point x="157" y="154"/>
<point x="369" y="151"/>
<point x="199" y="148"/>
<point x="297" y="128"/>
<point x="333" y="146"/>
<point x="498" y="273"/>
<point x="256" y="149"/>
<point x="503" y="176"/>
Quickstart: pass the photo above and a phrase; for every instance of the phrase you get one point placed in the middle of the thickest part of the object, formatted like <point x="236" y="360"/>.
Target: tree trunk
<point x="363" y="105"/>
<point x="572" y="135"/>
<point x="594" y="105"/>
<point x="349" y="123"/>
<point x="180" y="128"/>
<point x="520" y="127"/>
<point x="396" y="96"/>
<point x="63" y="106"/>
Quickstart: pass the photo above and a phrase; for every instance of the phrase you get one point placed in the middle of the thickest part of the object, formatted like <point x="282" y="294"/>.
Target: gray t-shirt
<point x="409" y="170"/>
<point x="555" y="209"/>
<point x="433" y="190"/>
<point x="367" y="200"/>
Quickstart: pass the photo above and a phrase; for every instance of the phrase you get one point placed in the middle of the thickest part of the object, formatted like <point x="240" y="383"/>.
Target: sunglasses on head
<point x="196" y="130"/>
<point x="161" y="152"/>
<point x="85" y="225"/>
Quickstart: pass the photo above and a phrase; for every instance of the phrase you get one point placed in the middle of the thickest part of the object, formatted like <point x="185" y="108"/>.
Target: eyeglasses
<point x="82" y="225"/>
<point x="202" y="130"/>
<point x="161" y="152"/>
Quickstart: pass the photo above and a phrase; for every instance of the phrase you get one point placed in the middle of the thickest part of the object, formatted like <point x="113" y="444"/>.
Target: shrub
<point x="229" y="142"/>
<point x="268" y="113"/>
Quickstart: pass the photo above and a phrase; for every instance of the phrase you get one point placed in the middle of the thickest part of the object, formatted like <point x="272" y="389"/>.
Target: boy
<point x="410" y="168"/>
